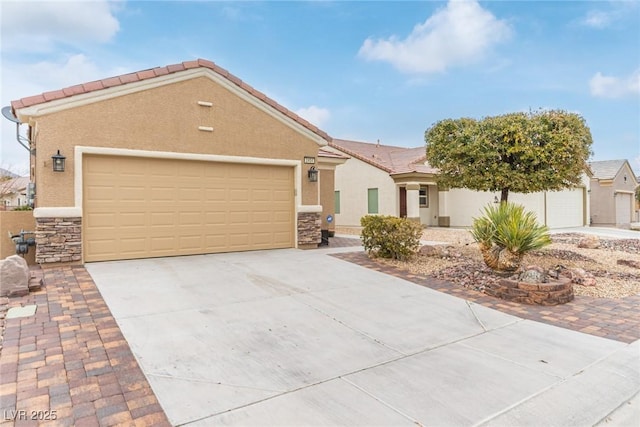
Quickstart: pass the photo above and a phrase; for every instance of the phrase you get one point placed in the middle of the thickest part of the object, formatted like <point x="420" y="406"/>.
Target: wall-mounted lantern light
<point x="58" y="162"/>
<point x="313" y="174"/>
<point x="495" y="199"/>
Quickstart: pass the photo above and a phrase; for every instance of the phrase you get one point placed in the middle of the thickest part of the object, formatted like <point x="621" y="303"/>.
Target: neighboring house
<point x="13" y="192"/>
<point x="613" y="188"/>
<point x="389" y="180"/>
<point x="176" y="160"/>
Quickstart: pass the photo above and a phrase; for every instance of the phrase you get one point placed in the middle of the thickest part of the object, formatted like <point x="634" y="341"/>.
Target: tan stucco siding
<point x="327" y="197"/>
<point x="166" y="119"/>
<point x="353" y="179"/>
<point x="602" y="204"/>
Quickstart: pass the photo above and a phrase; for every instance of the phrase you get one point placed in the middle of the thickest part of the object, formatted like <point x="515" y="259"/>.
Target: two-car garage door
<point x="138" y="207"/>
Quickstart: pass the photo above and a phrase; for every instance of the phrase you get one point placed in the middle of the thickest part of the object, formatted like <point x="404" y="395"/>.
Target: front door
<point x="403" y="202"/>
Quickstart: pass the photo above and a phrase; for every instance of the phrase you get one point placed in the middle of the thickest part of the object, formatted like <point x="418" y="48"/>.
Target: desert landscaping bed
<point x="614" y="266"/>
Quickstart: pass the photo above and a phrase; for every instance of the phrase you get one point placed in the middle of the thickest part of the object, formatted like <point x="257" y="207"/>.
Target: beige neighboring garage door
<point x="565" y="208"/>
<point x="144" y="207"/>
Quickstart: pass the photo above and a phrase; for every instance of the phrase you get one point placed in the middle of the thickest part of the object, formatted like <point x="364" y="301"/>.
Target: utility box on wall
<point x="12" y="222"/>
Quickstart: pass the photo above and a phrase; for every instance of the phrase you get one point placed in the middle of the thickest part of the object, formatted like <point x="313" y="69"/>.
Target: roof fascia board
<point x="26" y="114"/>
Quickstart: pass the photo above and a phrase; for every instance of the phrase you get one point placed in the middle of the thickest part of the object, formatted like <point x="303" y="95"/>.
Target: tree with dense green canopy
<point x="521" y="152"/>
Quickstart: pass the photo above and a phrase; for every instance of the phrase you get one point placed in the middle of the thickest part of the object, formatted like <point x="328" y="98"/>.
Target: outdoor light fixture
<point x="313" y="174"/>
<point x="58" y="162"/>
<point x="495" y="199"/>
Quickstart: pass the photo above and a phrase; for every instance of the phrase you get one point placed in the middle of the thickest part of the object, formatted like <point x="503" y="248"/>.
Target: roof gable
<point x="391" y="159"/>
<point x="66" y="94"/>
<point x="608" y="169"/>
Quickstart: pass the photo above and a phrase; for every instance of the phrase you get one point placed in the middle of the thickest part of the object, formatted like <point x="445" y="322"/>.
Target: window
<point x="336" y="195"/>
<point x="372" y="200"/>
<point x="424" y="196"/>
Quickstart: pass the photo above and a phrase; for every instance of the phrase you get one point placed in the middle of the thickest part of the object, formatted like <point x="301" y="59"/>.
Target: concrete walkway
<point x="292" y="337"/>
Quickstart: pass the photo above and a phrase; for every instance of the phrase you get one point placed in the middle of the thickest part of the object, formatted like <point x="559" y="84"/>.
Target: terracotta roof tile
<point x="53" y="95"/>
<point x="32" y="100"/>
<point x="190" y="64"/>
<point x="330" y="154"/>
<point x="391" y="159"/>
<point x="129" y="78"/>
<point x="91" y="86"/>
<point x="234" y="79"/>
<point x="111" y="82"/>
<point x="146" y="74"/>
<point x="73" y="90"/>
<point x="162" y="71"/>
<point x="174" y="68"/>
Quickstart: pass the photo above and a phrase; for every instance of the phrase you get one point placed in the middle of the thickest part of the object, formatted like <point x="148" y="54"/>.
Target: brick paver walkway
<point x="617" y="319"/>
<point x="70" y="361"/>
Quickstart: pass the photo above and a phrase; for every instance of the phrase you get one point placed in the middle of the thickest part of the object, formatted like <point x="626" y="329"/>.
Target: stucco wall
<point x="603" y="196"/>
<point x="327" y="185"/>
<point x="165" y="118"/>
<point x="352" y="180"/>
<point x="464" y="205"/>
<point x="12" y="222"/>
<point x="429" y="215"/>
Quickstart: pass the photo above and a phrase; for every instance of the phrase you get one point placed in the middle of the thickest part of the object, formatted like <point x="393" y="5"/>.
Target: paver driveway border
<point x="295" y="337"/>
<point x="68" y="364"/>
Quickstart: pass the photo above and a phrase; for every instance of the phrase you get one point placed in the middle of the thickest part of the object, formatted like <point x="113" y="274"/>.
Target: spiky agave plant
<point x="505" y="233"/>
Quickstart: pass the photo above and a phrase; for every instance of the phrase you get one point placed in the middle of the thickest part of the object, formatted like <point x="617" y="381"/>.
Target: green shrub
<point x="23" y="208"/>
<point x="506" y="232"/>
<point x="389" y="236"/>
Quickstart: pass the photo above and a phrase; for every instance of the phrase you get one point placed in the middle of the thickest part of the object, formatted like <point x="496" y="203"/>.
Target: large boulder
<point x="14" y="276"/>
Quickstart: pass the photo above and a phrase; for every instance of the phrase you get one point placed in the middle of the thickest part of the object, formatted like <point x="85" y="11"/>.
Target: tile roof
<point x="391" y="159"/>
<point x="606" y="169"/>
<point x="15" y="184"/>
<point x="331" y="154"/>
<point x="157" y="72"/>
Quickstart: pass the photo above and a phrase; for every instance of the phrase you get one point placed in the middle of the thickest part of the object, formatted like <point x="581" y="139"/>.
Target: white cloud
<point x="316" y="115"/>
<point x="610" y="13"/>
<point x="599" y="19"/>
<point x="615" y="87"/>
<point x="459" y="34"/>
<point x="39" y="26"/>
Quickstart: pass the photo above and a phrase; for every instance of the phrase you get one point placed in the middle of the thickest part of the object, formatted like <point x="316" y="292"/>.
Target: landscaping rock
<point x="442" y="251"/>
<point x="589" y="242"/>
<point x="533" y="274"/>
<point x="14" y="276"/>
<point x="629" y="263"/>
<point x="577" y="276"/>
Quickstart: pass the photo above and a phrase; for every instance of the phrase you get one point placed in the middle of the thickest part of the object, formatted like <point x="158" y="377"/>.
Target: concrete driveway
<point x="290" y="337"/>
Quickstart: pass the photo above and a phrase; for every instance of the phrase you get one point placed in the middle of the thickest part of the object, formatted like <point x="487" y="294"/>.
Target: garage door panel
<point x="145" y="207"/>
<point x="565" y="208"/>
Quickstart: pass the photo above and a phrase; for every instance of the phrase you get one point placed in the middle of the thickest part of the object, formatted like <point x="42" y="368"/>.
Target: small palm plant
<point x="505" y="233"/>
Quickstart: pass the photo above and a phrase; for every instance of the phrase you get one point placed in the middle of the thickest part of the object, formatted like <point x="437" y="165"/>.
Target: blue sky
<point x="358" y="70"/>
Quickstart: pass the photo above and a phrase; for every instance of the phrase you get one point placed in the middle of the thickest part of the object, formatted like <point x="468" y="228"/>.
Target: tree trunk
<point x="500" y="259"/>
<point x="504" y="195"/>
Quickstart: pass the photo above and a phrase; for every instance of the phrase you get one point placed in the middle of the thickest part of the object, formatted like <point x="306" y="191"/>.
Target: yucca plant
<point x="505" y="233"/>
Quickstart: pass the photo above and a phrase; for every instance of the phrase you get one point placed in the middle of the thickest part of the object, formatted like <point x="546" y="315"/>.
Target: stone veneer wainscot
<point x="58" y="237"/>
<point x="309" y="234"/>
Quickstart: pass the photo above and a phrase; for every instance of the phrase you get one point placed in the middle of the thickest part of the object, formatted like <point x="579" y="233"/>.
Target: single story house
<point x="13" y="192"/>
<point x="176" y="160"/>
<point x="389" y="180"/>
<point x="613" y="187"/>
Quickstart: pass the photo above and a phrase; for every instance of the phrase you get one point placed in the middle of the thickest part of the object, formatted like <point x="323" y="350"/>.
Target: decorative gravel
<point x="460" y="261"/>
